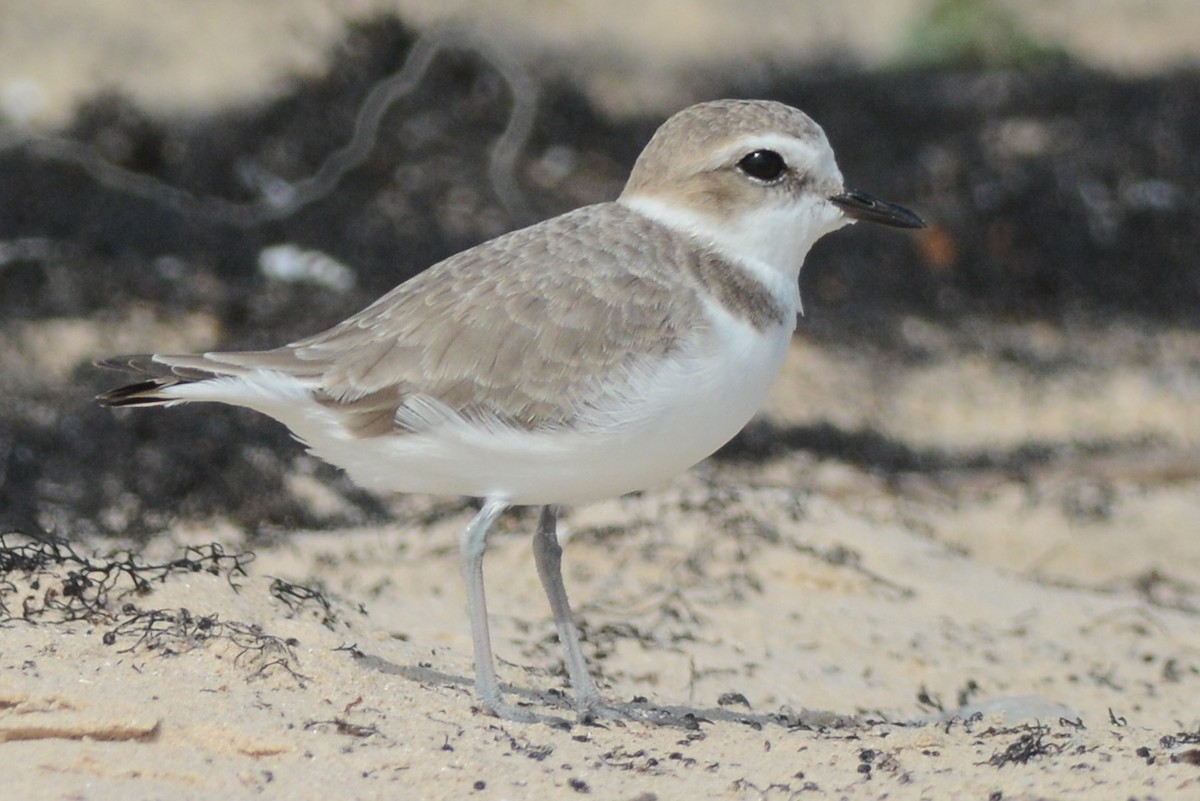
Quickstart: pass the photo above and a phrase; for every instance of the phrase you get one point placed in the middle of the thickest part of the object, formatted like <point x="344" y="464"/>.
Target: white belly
<point x="664" y="421"/>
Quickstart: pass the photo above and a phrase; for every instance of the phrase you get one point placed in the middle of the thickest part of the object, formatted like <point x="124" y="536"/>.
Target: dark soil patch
<point x="1052" y="195"/>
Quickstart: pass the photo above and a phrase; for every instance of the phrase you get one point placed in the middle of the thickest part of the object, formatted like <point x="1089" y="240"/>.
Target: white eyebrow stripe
<point x="793" y="150"/>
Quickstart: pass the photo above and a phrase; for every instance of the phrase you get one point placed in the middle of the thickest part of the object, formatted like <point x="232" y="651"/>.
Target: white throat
<point x="778" y="237"/>
<point x="770" y="242"/>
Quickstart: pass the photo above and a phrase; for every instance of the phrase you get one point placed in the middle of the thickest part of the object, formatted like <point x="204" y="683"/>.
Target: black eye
<point x="765" y="165"/>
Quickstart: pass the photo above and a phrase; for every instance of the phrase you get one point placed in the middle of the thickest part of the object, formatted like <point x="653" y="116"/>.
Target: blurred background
<point x="182" y="176"/>
<point x="629" y="56"/>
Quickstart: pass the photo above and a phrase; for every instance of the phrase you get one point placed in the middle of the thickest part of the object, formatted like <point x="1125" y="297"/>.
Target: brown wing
<point x="527" y="328"/>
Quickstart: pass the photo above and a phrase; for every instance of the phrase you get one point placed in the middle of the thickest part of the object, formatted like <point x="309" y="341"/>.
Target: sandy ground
<point x="965" y="632"/>
<point x="1034" y="636"/>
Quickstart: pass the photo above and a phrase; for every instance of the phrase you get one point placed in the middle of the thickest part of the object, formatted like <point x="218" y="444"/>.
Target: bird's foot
<point x="596" y="711"/>
<point x="519" y="714"/>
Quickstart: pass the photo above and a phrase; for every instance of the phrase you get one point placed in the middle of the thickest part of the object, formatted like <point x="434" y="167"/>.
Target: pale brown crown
<point x="691" y="158"/>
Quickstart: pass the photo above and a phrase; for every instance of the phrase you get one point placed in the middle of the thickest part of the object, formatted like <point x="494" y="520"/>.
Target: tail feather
<point x="160" y="372"/>
<point x="143" y="393"/>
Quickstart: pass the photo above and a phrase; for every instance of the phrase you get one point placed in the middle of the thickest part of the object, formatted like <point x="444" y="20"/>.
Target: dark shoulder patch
<point x="738" y="291"/>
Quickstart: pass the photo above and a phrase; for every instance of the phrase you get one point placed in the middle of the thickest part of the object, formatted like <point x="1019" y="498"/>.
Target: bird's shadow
<point x="637" y="710"/>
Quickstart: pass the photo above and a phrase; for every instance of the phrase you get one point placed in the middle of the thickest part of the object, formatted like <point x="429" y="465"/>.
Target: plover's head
<point x="755" y="178"/>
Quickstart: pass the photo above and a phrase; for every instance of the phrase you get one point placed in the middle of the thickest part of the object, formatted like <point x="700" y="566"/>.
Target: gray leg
<point x="547" y="554"/>
<point x="472" y="545"/>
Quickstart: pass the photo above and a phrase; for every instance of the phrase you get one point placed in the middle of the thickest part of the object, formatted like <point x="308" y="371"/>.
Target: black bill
<point x="869" y="208"/>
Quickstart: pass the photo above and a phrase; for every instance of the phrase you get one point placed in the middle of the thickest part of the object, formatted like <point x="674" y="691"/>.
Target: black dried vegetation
<point x="58" y="583"/>
<point x="46" y="581"/>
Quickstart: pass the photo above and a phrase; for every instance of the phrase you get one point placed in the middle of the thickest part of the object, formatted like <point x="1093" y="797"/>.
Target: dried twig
<point x="281" y="199"/>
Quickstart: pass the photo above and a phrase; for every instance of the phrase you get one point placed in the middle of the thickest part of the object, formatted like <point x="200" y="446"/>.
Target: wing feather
<point x="510" y="331"/>
<point x="529" y="330"/>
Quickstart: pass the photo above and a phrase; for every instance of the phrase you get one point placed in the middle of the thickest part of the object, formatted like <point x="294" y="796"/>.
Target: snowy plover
<point x="587" y="356"/>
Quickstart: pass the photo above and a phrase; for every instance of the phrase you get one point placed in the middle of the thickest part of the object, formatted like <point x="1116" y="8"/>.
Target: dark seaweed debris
<point x="58" y="583"/>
